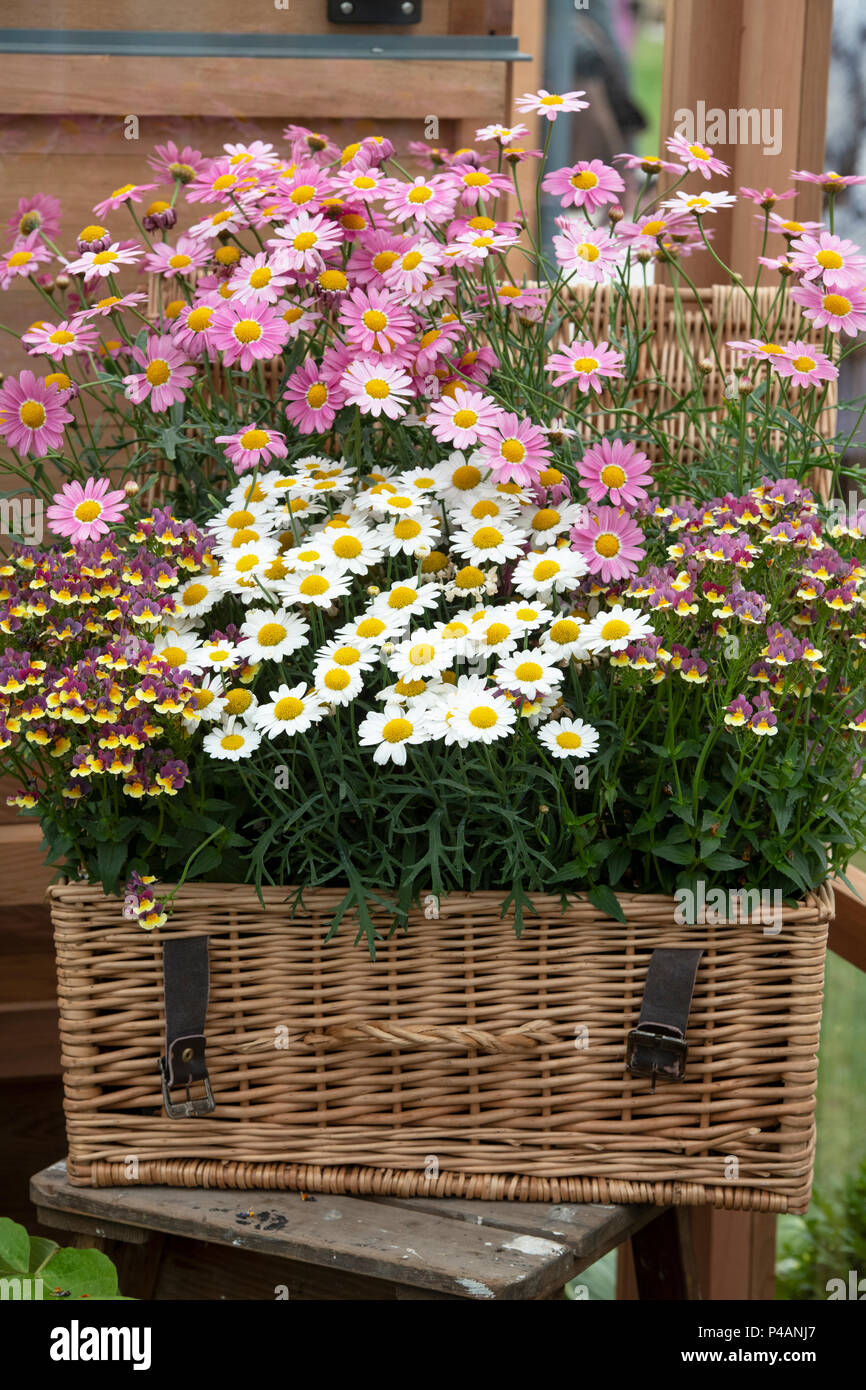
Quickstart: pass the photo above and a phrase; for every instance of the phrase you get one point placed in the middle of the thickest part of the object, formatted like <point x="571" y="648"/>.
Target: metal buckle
<point x="653" y="1052"/>
<point x="189" y="1108"/>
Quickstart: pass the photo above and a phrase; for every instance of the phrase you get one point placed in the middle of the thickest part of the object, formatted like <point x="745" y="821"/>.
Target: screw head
<point x="346" y="7"/>
<point x="187" y="1054"/>
<point x="407" y="7"/>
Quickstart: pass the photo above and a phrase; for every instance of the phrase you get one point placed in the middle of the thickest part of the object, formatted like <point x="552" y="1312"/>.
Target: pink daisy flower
<point x="585" y="185"/>
<point x="472" y="184"/>
<point x="590" y="253"/>
<point x="191" y="328"/>
<point x="515" y="449"/>
<point x="363" y="185"/>
<point x="373" y="255"/>
<point x="299" y="317"/>
<point x="423" y="200"/>
<point x="766" y="197"/>
<point x="38" y="213"/>
<point x="830" y="181"/>
<point x="461" y="421"/>
<point x="246" y="333"/>
<point x="112" y="303"/>
<point x="788" y="227"/>
<point x="106" y="262"/>
<point x="437" y="342"/>
<point x="644" y="234"/>
<point x="82" y="513"/>
<point x="304" y="241"/>
<point x="26" y="254"/>
<point x="413" y="267"/>
<point x="259" y="279"/>
<point x="127" y="193"/>
<point x="845" y="313"/>
<point x="610" y="542"/>
<point x="304" y="189"/>
<point x="550" y="104"/>
<point x="376" y="320"/>
<point x="584" y="364"/>
<point x="216" y="182"/>
<point x="757" y="349"/>
<point x="650" y="164"/>
<point x="31" y="415"/>
<point x="698" y="159"/>
<point x="804" y="365"/>
<point x="170" y="261"/>
<point x="506" y="135"/>
<point x="174" y="163"/>
<point x="312" y="398"/>
<point x="60" y="340"/>
<point x="165" y="377"/>
<point x="253" y="447"/>
<point x="615" y="469"/>
<point x="699" y="203"/>
<point x="837" y="261"/>
<point x="377" y="388"/>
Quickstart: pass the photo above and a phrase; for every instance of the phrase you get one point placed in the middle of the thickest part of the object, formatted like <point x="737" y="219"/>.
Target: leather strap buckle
<point x="189" y="1108"/>
<point x="653" y="1052"/>
<point x="186" y="976"/>
<point x="657" y="1046"/>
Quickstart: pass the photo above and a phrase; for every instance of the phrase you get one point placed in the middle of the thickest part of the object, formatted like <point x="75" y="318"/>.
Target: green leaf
<point x="675" y="854"/>
<point x="606" y="901"/>
<point x="720" y="860"/>
<point x="41" y="1250"/>
<point x="81" y="1272"/>
<point x="14" y="1245"/>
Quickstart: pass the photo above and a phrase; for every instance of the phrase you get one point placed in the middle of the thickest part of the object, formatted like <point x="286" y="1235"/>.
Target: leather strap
<point x="186" y="980"/>
<point x="657" y="1046"/>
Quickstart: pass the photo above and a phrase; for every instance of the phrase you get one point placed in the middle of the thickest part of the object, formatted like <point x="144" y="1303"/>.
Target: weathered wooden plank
<point x="24" y="876"/>
<point x="217" y="17"/>
<point x="847" y="936"/>
<point x="362" y="1237"/>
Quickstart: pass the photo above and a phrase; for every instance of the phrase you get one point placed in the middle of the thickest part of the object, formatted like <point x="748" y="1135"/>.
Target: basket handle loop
<point x="521" y="1039"/>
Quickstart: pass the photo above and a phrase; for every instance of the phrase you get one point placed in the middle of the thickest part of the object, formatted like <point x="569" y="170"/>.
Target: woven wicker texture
<point x="462" y="1062"/>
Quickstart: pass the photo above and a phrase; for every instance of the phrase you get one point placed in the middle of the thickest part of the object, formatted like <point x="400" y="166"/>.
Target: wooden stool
<point x="174" y="1243"/>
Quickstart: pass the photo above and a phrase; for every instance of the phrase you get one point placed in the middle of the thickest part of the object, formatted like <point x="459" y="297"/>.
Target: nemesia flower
<point x="32" y="416"/>
<point x="585" y="185"/>
<point x="82" y="513"/>
<point x="166" y="375"/>
<point x="584" y="364"/>
<point x="698" y="159"/>
<point x="610" y="542"/>
<point x="550" y="104"/>
<point x="615" y="469"/>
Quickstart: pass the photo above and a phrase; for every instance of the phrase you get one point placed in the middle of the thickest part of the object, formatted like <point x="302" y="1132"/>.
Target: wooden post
<point x="750" y="56"/>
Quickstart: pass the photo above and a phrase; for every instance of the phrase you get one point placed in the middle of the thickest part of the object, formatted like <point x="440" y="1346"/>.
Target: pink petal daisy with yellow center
<point x="32" y="415"/>
<point x="584" y="364"/>
<point x="610" y="542"/>
<point x="246" y="333"/>
<point x="617" y="470"/>
<point x="515" y="450"/>
<point x="82" y="513"/>
<point x="164" y="377"/>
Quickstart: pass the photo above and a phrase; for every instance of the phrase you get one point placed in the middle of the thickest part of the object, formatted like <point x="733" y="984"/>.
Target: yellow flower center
<point x="588" y="252"/>
<point x="465" y="419"/>
<point x="247" y="563"/>
<point x="58" y="379"/>
<point x="483" y="717"/>
<point x="469" y="577"/>
<point x="421" y="653"/>
<point x="363" y="181"/>
<point x="370" y="627"/>
<point x="288" y="708"/>
<point x="397" y="730"/>
<point x="545" y="518"/>
<point x="203" y="698"/>
<point x="337" y="680"/>
<point x="238" y="700"/>
<point x="61" y="336"/>
<point x="271" y="635"/>
<point x="175" y="656"/>
<point x="614" y="629"/>
<point x="194" y="593"/>
<point x="545" y="570"/>
<point x="830" y="260"/>
<point x="347" y="547"/>
<point x="199" y="319"/>
<point x="304" y="240"/>
<point x="406" y="529"/>
<point x="125" y="188"/>
<point x="91" y="232"/>
<point x="20" y="257"/>
<point x="836" y="304"/>
<point x="314" y="584"/>
<point x="247" y="331"/>
<point x="303" y="193"/>
<point x="87" y="511"/>
<point x="353" y="221"/>
<point x="529" y="671"/>
<point x="512" y="450"/>
<point x="585" y="179"/>
<point x="32" y="414"/>
<point x="347" y="656"/>
<point x="411" y="260"/>
<point x="375" y="320"/>
<point x="104" y="257"/>
<point x="804" y="364"/>
<point x="377" y="388"/>
<point x="260" y="277"/>
<point x="224" y="182"/>
<point x="654" y="228"/>
<point x="606" y="544"/>
<point x="158" y="372"/>
<point x="179" y="260"/>
<point x="699" y="152"/>
<point x="401" y="597"/>
<point x="564" y="631"/>
<point x="292" y="315"/>
<point x="466" y="477"/>
<point x="497" y="632"/>
<point x="551" y="101"/>
<point x="585" y="364"/>
<point x="567" y="739"/>
<point x="487" y="538"/>
<point x="421" y="194"/>
<point x="333" y="280"/>
<point x="612" y="475"/>
<point x="317" y="395"/>
<point x="384" y="260"/>
<point x="231" y="742"/>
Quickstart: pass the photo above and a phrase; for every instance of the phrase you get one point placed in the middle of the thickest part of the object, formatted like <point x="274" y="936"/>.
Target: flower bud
<point x="184" y="173"/>
<point x="131" y="488"/>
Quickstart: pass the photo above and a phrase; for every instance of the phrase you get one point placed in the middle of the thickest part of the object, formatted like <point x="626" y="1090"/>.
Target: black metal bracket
<point x="374" y="11"/>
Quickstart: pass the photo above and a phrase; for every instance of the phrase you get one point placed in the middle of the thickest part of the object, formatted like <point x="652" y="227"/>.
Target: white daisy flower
<point x="615" y="628"/>
<point x="320" y="587"/>
<point x="181" y="649"/>
<point x="232" y="522"/>
<point x="540" y="571"/>
<point x="565" y="638"/>
<point x="496" y="635"/>
<point x="370" y="627"/>
<point x="233" y="741"/>
<point x="351" y="548"/>
<point x="338" y="685"/>
<point x="410" y="534"/>
<point x="480" y="716"/>
<point x="293" y="510"/>
<point x="354" y="656"/>
<point x="250" y="491"/>
<point x="208" y="699"/>
<point x="569" y="738"/>
<point x="421" y="480"/>
<point x="243" y="567"/>
<point x="529" y="616"/>
<point x="388" y="503"/>
<point x="198" y="596"/>
<point x="289" y="710"/>
<point x="489" y="544"/>
<point x="459" y="475"/>
<point x="220" y="655"/>
<point x="405" y="600"/>
<point x="271" y="636"/>
<point x="531" y="673"/>
<point x="390" y="732"/>
<point x="309" y="554"/>
<point x="484" y="507"/>
<point x="548" y="524"/>
<point x="241" y="702"/>
<point x="424" y="654"/>
<point x="408" y="690"/>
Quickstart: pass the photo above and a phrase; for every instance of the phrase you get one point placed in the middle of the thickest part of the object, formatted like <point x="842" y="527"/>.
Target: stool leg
<point x="664" y="1258"/>
<point x="138" y="1266"/>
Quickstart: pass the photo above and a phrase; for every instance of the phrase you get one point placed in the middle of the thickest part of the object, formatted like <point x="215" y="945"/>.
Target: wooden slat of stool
<point x="424" y="1250"/>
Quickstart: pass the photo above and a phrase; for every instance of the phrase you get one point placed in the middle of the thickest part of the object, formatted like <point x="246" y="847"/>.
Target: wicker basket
<point x="462" y="1062"/>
